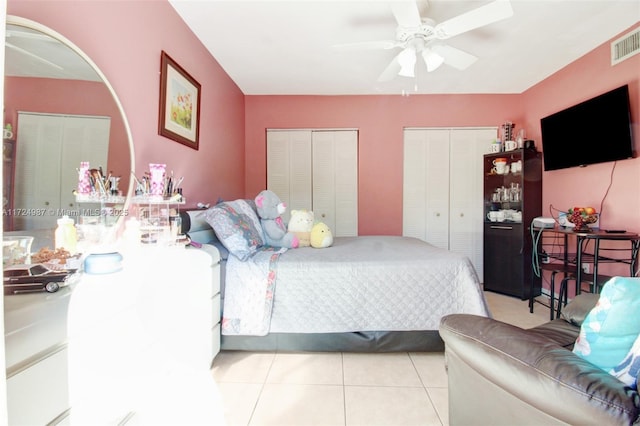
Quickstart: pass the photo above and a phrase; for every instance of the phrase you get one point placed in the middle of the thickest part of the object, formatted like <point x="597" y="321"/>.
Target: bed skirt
<point x="362" y="341"/>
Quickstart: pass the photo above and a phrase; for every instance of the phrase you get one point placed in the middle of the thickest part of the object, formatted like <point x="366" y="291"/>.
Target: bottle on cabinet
<point x="65" y="235"/>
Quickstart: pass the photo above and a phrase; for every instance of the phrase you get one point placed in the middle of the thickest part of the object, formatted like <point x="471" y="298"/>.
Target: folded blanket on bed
<point x="249" y="302"/>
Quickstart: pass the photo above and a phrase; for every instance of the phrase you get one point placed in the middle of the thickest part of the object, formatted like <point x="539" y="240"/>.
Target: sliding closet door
<point x="335" y="180"/>
<point x="426" y="186"/>
<point x="49" y="149"/>
<point x="289" y="168"/>
<point x="466" y="223"/>
<point x="316" y="170"/>
<point x="442" y="188"/>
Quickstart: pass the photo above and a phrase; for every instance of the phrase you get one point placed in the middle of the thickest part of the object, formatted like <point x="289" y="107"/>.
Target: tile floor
<point x="333" y="388"/>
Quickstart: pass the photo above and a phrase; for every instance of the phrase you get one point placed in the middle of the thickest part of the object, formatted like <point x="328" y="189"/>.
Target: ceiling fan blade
<point x="367" y="45"/>
<point x="391" y="71"/>
<point x="484" y="15"/>
<point x="33" y="55"/>
<point x="454" y="57"/>
<point x="406" y="13"/>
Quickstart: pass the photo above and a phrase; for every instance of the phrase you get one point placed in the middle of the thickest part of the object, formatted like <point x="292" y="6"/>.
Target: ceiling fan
<point x="421" y="37"/>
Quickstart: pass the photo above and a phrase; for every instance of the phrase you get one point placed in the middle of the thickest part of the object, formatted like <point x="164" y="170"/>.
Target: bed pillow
<point x="237" y="226"/>
<point x="612" y="326"/>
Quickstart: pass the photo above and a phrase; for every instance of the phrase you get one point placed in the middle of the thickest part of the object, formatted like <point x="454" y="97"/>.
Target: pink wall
<point x="589" y="76"/>
<point x="70" y="97"/>
<point x="380" y="121"/>
<point x="125" y="39"/>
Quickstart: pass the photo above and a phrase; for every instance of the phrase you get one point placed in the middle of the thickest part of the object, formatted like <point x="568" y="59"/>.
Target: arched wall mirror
<point x="62" y="110"/>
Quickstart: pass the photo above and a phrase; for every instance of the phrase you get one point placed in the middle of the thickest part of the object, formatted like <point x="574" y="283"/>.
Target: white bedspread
<point x="359" y="284"/>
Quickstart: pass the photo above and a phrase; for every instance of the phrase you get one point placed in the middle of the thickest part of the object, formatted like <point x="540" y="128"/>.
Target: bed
<point x="367" y="293"/>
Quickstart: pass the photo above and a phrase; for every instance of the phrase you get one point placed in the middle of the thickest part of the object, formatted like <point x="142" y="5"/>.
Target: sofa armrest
<point x="539" y="379"/>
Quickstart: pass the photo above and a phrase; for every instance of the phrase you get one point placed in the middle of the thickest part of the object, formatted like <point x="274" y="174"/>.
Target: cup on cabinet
<point x="510" y="145"/>
<point x="500" y="165"/>
<point x="493" y="216"/>
<point x="516" y="166"/>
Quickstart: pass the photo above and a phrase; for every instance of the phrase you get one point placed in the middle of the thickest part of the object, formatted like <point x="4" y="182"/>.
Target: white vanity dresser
<point x="36" y="357"/>
<point x="141" y="341"/>
<point x="133" y="346"/>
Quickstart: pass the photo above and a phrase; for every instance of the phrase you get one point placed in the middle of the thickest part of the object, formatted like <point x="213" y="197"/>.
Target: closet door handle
<point x="508" y="228"/>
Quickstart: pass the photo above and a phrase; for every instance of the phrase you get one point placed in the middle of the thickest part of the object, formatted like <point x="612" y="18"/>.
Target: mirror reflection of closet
<point x="62" y="111"/>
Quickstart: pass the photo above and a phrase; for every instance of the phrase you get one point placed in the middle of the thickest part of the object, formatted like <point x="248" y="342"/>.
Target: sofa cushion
<point x="576" y="311"/>
<point x="237" y="226"/>
<point x="559" y="331"/>
<point x="612" y="326"/>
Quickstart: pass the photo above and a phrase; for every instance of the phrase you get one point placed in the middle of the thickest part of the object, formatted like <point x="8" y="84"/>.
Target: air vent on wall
<point x="625" y="46"/>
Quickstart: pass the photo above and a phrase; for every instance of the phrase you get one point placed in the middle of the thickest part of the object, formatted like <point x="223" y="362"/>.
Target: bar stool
<point x="569" y="273"/>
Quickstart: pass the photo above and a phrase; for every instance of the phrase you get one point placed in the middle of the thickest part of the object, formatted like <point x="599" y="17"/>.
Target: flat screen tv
<point x="594" y="131"/>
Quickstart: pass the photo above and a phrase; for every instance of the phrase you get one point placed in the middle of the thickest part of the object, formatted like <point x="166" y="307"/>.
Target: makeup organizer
<point x="156" y="206"/>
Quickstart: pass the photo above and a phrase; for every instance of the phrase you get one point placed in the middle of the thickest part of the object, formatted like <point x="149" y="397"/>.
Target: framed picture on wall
<point x="179" y="104"/>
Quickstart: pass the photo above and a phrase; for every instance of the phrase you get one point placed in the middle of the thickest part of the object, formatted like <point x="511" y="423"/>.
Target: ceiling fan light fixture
<point x="407" y="61"/>
<point x="432" y="59"/>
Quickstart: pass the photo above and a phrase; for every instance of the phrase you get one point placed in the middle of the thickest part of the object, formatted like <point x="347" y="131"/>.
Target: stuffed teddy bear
<point x="300" y="224"/>
<point x="321" y="236"/>
<point x="270" y="209"/>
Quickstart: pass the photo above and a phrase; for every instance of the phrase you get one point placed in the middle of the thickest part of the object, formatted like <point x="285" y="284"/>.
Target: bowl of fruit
<point x="582" y="217"/>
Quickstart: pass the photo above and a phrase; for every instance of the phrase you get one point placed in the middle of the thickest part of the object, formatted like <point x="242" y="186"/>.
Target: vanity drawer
<point x="39" y="393"/>
<point x="33" y="323"/>
<point x="215" y="270"/>
<point x="215" y="310"/>
<point x="215" y="337"/>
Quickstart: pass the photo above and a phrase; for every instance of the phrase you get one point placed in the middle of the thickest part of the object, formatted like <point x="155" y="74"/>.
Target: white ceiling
<point x="30" y="53"/>
<point x="288" y="47"/>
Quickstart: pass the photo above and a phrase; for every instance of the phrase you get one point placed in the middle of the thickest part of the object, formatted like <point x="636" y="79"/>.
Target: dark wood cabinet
<point x="512" y="199"/>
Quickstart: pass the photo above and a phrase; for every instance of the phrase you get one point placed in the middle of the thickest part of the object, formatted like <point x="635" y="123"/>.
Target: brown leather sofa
<point x="500" y="374"/>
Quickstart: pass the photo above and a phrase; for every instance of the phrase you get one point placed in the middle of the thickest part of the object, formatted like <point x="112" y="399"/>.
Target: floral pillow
<point x="612" y="326"/>
<point x="237" y="226"/>
<point x="629" y="369"/>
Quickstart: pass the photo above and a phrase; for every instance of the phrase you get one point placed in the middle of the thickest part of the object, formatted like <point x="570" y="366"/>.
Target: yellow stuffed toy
<point x="321" y="236"/>
<point x="300" y="224"/>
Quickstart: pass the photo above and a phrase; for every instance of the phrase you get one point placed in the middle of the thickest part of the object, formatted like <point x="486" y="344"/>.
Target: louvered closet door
<point x="289" y="168"/>
<point x="467" y="147"/>
<point x="335" y="180"/>
<point x="316" y="170"/>
<point x="38" y="157"/>
<point x="426" y="186"/>
<point x="48" y="152"/>
<point x="442" y="188"/>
